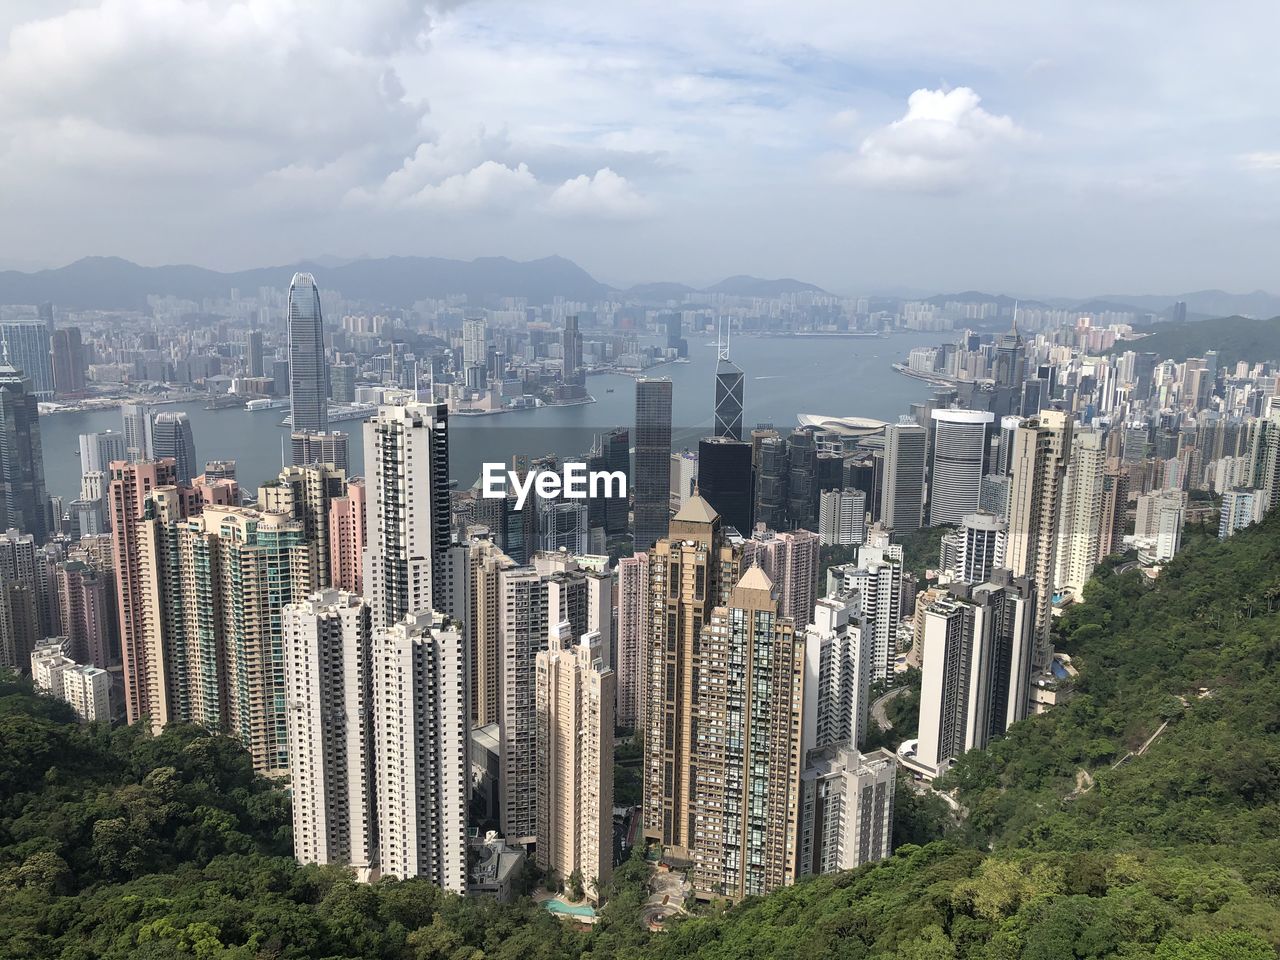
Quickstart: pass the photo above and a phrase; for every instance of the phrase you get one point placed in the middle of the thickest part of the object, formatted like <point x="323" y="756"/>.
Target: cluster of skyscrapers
<point x="415" y="661"/>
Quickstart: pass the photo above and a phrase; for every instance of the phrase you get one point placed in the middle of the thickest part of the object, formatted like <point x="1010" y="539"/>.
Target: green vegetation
<point x="1235" y="338"/>
<point x="114" y="844"/>
<point x="627" y="785"/>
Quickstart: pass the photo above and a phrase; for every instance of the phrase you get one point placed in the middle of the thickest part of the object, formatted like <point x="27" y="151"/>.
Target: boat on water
<point x="608" y="390"/>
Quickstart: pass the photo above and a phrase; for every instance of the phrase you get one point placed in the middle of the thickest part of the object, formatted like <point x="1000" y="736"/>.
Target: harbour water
<point x="785" y="377"/>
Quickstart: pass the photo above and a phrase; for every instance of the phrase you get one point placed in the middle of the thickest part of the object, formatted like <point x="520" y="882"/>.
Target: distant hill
<point x="1235" y="338"/>
<point x="658" y="292"/>
<point x="977" y="296"/>
<point x="1209" y="303"/>
<point x="744" y="286"/>
<point x="113" y="283"/>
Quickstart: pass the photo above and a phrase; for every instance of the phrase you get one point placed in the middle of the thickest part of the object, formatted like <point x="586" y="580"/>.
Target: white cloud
<point x="944" y="142"/>
<point x="605" y="196"/>
<point x="1261" y="161"/>
<point x="487" y="186"/>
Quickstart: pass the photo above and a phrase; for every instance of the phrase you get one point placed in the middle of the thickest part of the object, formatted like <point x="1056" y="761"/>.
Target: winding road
<point x="878" y="705"/>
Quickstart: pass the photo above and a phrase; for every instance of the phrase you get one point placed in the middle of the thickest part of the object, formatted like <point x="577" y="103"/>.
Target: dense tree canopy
<point x="118" y="844"/>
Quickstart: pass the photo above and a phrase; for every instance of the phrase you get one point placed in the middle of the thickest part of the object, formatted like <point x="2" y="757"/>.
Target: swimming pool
<point x="559" y="906"/>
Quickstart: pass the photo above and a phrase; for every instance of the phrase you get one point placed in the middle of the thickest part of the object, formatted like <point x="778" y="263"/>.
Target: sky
<point x="1034" y="148"/>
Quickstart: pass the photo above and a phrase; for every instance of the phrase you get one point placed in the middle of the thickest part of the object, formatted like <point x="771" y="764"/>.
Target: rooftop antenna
<point x="724" y="331"/>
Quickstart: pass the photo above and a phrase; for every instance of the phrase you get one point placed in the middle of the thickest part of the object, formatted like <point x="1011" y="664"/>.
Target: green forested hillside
<point x="1235" y="338"/>
<point x="119" y="845"/>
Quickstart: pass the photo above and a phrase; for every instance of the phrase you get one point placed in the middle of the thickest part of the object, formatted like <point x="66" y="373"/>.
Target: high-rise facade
<point x="171" y="437"/>
<point x="842" y="517"/>
<point x="575" y="720"/>
<point x="524" y="629"/>
<point x="846" y="809"/>
<point x="976" y="652"/>
<point x="307" y="494"/>
<point x="87" y="613"/>
<point x="958" y="463"/>
<point x="748" y="752"/>
<point x="254" y="354"/>
<point x="690" y="573"/>
<point x="1080" y="536"/>
<point x="729" y="396"/>
<point x="131" y="487"/>
<point x="309" y="448"/>
<point x="651" y="480"/>
<point x="633" y="633"/>
<point x="136" y="425"/>
<point x="421" y="728"/>
<point x="308" y="372"/>
<point x="23" y="499"/>
<point x="408" y="525"/>
<point x="328" y="655"/>
<point x="902" y="496"/>
<point x="1042" y="450"/>
<point x="791" y="562"/>
<point x="571" y="373"/>
<point x="838" y="674"/>
<point x="98" y="450"/>
<point x="26" y="346"/>
<point x="347" y="538"/>
<point x="724" y="479"/>
<point x="475" y="600"/>
<point x="68" y="362"/>
<point x="615" y="449"/>
<point x="981" y="543"/>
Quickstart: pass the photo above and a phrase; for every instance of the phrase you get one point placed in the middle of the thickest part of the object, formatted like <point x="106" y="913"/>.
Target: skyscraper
<point x="575" y="719"/>
<point x="145" y="686"/>
<point x="347" y="538"/>
<point x="748" y="752"/>
<point x="136" y="420"/>
<point x="171" y="437"/>
<point x="406" y="462"/>
<point x="309" y="448"/>
<point x="68" y="362"/>
<point x="980" y="549"/>
<point x="254" y="355"/>
<point x="308" y="372"/>
<point x="958" y="462"/>
<point x="615" y="450"/>
<point x="729" y="395"/>
<point x="99" y="450"/>
<point x="328" y="647"/>
<point x="1080" y="536"/>
<point x="476" y="600"/>
<point x="474" y="352"/>
<point x="26" y="344"/>
<point x="306" y="494"/>
<point x="790" y="561"/>
<point x="842" y="517"/>
<point x="421" y="723"/>
<point x="770" y="463"/>
<point x="976" y="649"/>
<point x="571" y="348"/>
<point x="523" y="634"/>
<point x="22" y="492"/>
<point x="690" y="573"/>
<point x="846" y="809"/>
<point x="838" y="674"/>
<point x="652" y="478"/>
<point x="1042" y="449"/>
<point x="902" y="496"/>
<point x="724" y="479"/>
<point x="87" y="613"/>
<point x="633" y="633"/>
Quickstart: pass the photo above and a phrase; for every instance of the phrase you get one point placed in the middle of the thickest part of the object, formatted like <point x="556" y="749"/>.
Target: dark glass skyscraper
<point x="171" y="436"/>
<point x="652" y="478"/>
<point x="22" y="493"/>
<point x="615" y="447"/>
<point x="724" y="480"/>
<point x="308" y="373"/>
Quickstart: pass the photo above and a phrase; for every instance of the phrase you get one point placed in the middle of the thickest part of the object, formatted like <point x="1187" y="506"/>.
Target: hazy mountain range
<point x="114" y="283"/>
